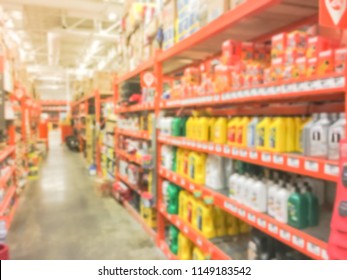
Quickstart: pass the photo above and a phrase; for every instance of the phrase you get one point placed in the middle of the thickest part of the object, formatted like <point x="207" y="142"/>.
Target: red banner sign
<point x="333" y="13"/>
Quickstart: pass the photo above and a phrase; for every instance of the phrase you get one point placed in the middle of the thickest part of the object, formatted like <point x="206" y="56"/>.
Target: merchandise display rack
<point x="251" y="21"/>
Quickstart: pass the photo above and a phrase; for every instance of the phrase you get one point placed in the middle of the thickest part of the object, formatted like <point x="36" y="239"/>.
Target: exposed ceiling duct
<point x="53" y="46"/>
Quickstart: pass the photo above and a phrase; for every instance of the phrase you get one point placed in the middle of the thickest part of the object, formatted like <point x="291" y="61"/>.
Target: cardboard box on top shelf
<point x="168" y="18"/>
<point x="103" y="81"/>
<point x="234" y="3"/>
<point x="215" y="8"/>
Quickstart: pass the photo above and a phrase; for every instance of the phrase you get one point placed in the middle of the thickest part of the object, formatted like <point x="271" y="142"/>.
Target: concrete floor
<point x="62" y="216"/>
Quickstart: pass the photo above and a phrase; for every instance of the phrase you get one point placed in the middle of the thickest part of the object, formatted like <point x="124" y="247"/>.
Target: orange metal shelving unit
<point x="252" y="21"/>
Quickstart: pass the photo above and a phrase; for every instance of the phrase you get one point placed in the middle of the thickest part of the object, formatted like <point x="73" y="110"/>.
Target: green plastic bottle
<point x="297" y="209"/>
<point x="174" y="160"/>
<point x="313" y="207"/>
<point x="176" y="126"/>
<point x="183" y="131"/>
<point x="173" y="239"/>
<point x="173" y="192"/>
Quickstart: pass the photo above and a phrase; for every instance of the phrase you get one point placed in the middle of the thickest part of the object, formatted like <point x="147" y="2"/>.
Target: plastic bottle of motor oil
<point x="297" y="209"/>
<point x="185" y="247"/>
<point x="165" y="186"/>
<point x="260" y="246"/>
<point x="185" y="164"/>
<point x="179" y="160"/>
<point x="299" y="133"/>
<point x="281" y="204"/>
<point x="233" y="179"/>
<point x="319" y="137"/>
<point x="263" y="134"/>
<point x="312" y="208"/>
<point x="197" y="164"/>
<point x="204" y="219"/>
<point x="336" y="133"/>
<point x="232" y="225"/>
<point x="306" y="134"/>
<point x="198" y="254"/>
<point x="259" y="196"/>
<point x="173" y="193"/>
<point x="252" y="132"/>
<point x="220" y="131"/>
<point x="219" y="219"/>
<point x="167" y="157"/>
<point x="211" y="123"/>
<point x="190" y="210"/>
<point x="232" y="130"/>
<point x="174" y="159"/>
<point x="246" y="191"/>
<point x="168" y="125"/>
<point x="190" y="128"/>
<point x="272" y="192"/>
<point x="215" y="172"/>
<point x="176" y="126"/>
<point x="278" y="135"/>
<point x="182" y="205"/>
<point x="173" y="239"/>
<point x="150" y="123"/>
<point x="244" y="227"/>
<point x="203" y="129"/>
<point x="290" y="135"/>
<point x="241" y="134"/>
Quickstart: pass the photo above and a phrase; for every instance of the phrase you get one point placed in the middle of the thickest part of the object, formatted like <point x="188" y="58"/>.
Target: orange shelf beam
<point x="129" y="157"/>
<point x="6" y="152"/>
<point x="135" y="134"/>
<point x="142" y="67"/>
<point x="7" y="176"/>
<point x="135" y="108"/>
<point x="165" y="249"/>
<point x="196" y="237"/>
<point x="130" y="185"/>
<point x="307" y="166"/>
<point x="299" y="240"/>
<point x="7" y="200"/>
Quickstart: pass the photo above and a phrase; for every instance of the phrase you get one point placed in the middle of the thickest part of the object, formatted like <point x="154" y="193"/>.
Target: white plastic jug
<point x="281" y="204"/>
<point x="336" y="133"/>
<point x="259" y="196"/>
<point x="318" y="140"/>
<point x="214" y="172"/>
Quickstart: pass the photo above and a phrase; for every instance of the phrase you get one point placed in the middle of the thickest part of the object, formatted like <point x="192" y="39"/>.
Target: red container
<point x="4" y="252"/>
<point x="340" y="60"/>
<point x="325" y="62"/>
<point x="315" y="45"/>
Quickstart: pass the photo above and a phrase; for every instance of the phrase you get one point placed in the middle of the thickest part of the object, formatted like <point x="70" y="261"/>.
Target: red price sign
<point x="333" y="13"/>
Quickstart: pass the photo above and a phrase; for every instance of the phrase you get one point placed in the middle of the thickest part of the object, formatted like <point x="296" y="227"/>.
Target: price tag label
<point x="272" y="228"/>
<point x="261" y="222"/>
<point x="174" y="178"/>
<point x="211" y="147"/>
<point x="191" y="187"/>
<point x="178" y="223"/>
<point x="285" y="234"/>
<point x="226" y="149"/>
<point x="194" y="144"/>
<point x="198" y="242"/>
<point x="230" y="207"/>
<point x="235" y="151"/>
<point x="243" y="153"/>
<point x="204" y="146"/>
<point x="293" y="162"/>
<point x="312" y="248"/>
<point x="218" y="148"/>
<point x="183" y="182"/>
<point x="298" y="241"/>
<point x="311" y="165"/>
<point x="242" y="212"/>
<point x="253" y="155"/>
<point x="251" y="217"/>
<point x="324" y="254"/>
<point x="185" y="229"/>
<point x="277" y="159"/>
<point x="265" y="157"/>
<point x="332" y="170"/>
<point x="216" y="98"/>
<point x="161" y="171"/>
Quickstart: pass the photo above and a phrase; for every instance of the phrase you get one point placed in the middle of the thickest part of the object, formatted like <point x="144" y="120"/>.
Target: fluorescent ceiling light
<point x="112" y="16"/>
<point x="17" y="15"/>
<point x="9" y="24"/>
<point x="27" y="46"/>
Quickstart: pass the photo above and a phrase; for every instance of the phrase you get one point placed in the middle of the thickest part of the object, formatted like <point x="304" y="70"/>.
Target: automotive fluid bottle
<point x="185" y="247"/>
<point x="183" y="128"/>
<point x="242" y="188"/>
<point x="281" y="204"/>
<point x="313" y="207"/>
<point x="190" y="210"/>
<point x="297" y="209"/>
<point x="232" y="128"/>
<point x="182" y="204"/>
<point x="306" y="134"/>
<point x="252" y="132"/>
<point x="278" y="136"/>
<point x="174" y="159"/>
<point x="211" y="123"/>
<point x="319" y="137"/>
<point x="219" y="220"/>
<point x="232" y="225"/>
<point x="167" y="157"/>
<point x="185" y="164"/>
<point x="173" y="193"/>
<point x="190" y="128"/>
<point x="214" y="172"/>
<point x="198" y="254"/>
<point x="336" y="133"/>
<point x="179" y="161"/>
<point x="259" y="196"/>
<point x="164" y="187"/>
<point x="232" y="185"/>
<point x="203" y="129"/>
<point x="290" y="135"/>
<point x="176" y="126"/>
<point x="220" y="131"/>
<point x="150" y="123"/>
<point x="244" y="227"/>
<point x="241" y="135"/>
<point x="246" y="192"/>
<point x="263" y="131"/>
<point x="173" y="239"/>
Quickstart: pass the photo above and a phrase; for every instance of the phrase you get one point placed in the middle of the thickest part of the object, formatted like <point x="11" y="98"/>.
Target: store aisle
<point x="61" y="216"/>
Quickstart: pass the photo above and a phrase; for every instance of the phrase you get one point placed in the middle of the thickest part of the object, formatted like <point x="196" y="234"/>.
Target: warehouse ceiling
<point x="63" y="38"/>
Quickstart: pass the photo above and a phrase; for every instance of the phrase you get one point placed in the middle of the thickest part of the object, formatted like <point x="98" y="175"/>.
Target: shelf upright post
<point x="158" y="73"/>
<point x="98" y="126"/>
<point x="115" y="142"/>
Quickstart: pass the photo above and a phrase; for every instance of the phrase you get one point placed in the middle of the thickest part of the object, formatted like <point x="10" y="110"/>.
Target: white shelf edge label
<point x="198" y="242"/>
<point x="191" y="187"/>
<point x="277" y="159"/>
<point x="314" y="249"/>
<point x="231" y="207"/>
<point x="226" y="149"/>
<point x="293" y="162"/>
<point x="284" y="234"/>
<point x="298" y="241"/>
<point x="185" y="229"/>
<point x="251" y="217"/>
<point x="272" y="228"/>
<point x="265" y="157"/>
<point x="253" y="155"/>
<point x="331" y="169"/>
<point x="261" y="222"/>
<point x="324" y="254"/>
<point x="241" y="212"/>
<point x="235" y="151"/>
<point x="218" y="148"/>
<point x="311" y="165"/>
<point x="243" y="153"/>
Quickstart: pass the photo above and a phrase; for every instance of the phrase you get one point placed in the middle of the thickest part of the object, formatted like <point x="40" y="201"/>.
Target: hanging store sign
<point x="333" y="13"/>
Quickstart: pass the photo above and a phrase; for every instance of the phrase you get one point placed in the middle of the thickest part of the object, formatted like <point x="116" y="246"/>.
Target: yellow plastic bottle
<point x="190" y="127"/>
<point x="220" y="131"/>
<point x="232" y="225"/>
<point x="184" y="164"/>
<point x="211" y="123"/>
<point x="203" y="129"/>
<point x="263" y="131"/>
<point x="196" y="166"/>
<point x="204" y="219"/>
<point x="220" y="222"/>
<point x="150" y="121"/>
<point x="290" y="135"/>
<point x="189" y="210"/>
<point x="182" y="204"/>
<point x="198" y="254"/>
<point x="185" y="247"/>
<point x="298" y="134"/>
<point x="277" y="138"/>
<point x="179" y="161"/>
<point x="244" y="227"/>
<point x="241" y="132"/>
<point x="232" y="128"/>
